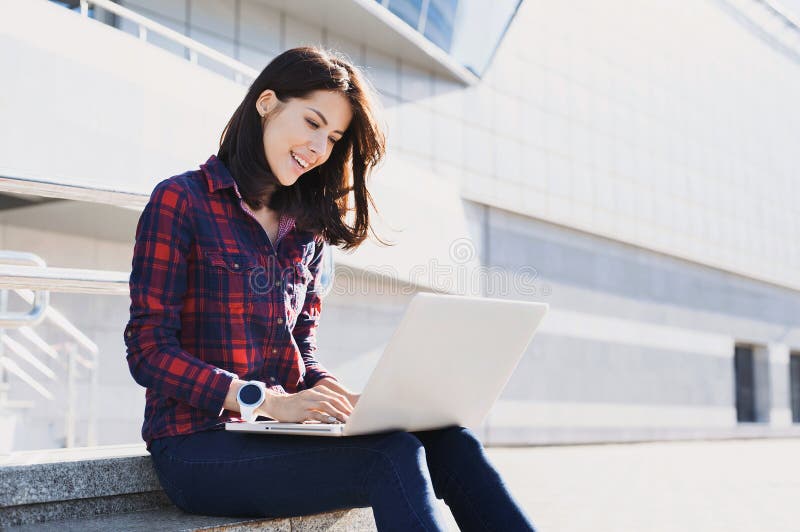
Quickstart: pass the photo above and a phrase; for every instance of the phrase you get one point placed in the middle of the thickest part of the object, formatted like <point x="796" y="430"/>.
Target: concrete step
<point x="172" y="519"/>
<point x="116" y="488"/>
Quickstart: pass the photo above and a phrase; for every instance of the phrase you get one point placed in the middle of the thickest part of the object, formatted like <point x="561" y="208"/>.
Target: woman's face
<point x="299" y="134"/>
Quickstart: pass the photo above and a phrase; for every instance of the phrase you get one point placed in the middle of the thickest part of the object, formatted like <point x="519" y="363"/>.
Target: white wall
<point x="88" y="104"/>
<point x="667" y="127"/>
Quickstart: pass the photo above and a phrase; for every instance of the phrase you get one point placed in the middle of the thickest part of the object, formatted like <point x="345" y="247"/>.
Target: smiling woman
<point x="310" y="114"/>
<point x="225" y="309"/>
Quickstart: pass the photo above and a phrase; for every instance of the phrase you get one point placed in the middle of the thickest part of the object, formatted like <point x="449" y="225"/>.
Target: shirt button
<point x="280" y="321"/>
<point x="129" y="334"/>
<point x="272" y="379"/>
<point x="274" y="350"/>
<point x="235" y="265"/>
<point x="277" y="283"/>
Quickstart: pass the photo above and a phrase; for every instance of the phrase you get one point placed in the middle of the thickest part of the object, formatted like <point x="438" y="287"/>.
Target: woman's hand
<point x="335" y="386"/>
<point x="315" y="404"/>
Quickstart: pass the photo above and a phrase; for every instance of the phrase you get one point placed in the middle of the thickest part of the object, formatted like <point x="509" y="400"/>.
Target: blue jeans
<point x="397" y="473"/>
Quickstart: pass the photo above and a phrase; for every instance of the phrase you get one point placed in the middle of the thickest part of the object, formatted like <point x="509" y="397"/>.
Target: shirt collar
<point x="218" y="177"/>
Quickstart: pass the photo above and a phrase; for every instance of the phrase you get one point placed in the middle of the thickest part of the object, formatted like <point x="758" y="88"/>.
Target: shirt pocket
<point x="296" y="286"/>
<point x="231" y="279"/>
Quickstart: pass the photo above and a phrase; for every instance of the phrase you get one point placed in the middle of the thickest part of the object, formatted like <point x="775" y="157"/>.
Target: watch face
<point x="249" y="394"/>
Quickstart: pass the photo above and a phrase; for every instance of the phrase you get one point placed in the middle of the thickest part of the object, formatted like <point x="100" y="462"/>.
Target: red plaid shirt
<point x="212" y="299"/>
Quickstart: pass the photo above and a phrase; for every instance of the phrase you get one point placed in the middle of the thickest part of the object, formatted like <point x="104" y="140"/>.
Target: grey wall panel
<point x="558" y="368"/>
<point x="584" y="261"/>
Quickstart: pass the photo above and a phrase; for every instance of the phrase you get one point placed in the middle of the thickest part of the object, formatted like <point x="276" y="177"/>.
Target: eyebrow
<point x="324" y="120"/>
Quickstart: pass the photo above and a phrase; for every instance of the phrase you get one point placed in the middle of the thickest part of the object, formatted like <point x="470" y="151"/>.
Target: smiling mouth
<point x="296" y="160"/>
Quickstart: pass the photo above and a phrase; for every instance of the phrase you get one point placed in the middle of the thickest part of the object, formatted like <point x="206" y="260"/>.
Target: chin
<point x="287" y="182"/>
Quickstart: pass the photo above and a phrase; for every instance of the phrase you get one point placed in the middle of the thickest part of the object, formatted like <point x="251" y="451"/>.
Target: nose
<point x="317" y="145"/>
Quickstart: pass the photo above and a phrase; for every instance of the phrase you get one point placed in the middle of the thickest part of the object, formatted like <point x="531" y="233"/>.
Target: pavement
<point x="704" y="486"/>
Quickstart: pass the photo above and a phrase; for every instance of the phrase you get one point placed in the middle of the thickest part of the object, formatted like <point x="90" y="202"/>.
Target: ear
<point x="266" y="102"/>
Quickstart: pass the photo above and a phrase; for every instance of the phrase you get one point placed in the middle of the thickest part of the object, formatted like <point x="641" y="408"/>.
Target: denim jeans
<point x="397" y="473"/>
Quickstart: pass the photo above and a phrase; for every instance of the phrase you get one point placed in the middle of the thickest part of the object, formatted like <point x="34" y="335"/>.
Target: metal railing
<point x="241" y="72"/>
<point x="62" y="280"/>
<point x="41" y="298"/>
<point x="50" y="189"/>
<point x="19" y="279"/>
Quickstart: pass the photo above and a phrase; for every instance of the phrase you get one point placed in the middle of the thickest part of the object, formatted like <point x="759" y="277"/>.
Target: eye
<point x="314" y="125"/>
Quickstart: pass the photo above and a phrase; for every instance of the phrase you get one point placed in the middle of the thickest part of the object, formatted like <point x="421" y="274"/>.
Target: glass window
<point x="468" y="30"/>
<point x="439" y="22"/>
<point x="794" y="385"/>
<point x="744" y="375"/>
<point x="75" y="5"/>
<point x="408" y="10"/>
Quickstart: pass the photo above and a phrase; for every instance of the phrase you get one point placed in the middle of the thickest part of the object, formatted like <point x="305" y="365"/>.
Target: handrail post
<point x="91" y="433"/>
<point x="69" y="421"/>
<point x="4" y="385"/>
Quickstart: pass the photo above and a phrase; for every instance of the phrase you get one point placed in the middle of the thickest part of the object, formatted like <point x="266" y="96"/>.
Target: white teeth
<point x="300" y="161"/>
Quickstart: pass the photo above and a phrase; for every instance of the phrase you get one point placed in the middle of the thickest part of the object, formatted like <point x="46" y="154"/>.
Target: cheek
<point x="277" y="135"/>
<point x="266" y="138"/>
<point x="273" y="145"/>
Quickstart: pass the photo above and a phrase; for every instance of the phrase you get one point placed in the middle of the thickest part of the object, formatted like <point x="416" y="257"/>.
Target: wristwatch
<point x="250" y="397"/>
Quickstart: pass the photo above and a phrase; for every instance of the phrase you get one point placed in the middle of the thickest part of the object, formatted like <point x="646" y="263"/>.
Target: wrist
<point x="230" y="399"/>
<point x="251" y="395"/>
<point x="232" y="404"/>
<point x="267" y="408"/>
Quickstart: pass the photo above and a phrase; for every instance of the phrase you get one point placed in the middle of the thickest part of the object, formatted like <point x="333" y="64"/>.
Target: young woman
<point x="224" y="311"/>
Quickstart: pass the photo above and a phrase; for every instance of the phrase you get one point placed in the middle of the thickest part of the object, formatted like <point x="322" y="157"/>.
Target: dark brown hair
<point x="320" y="201"/>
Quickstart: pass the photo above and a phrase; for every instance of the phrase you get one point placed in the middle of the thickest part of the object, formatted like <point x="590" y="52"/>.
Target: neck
<point x="264" y="200"/>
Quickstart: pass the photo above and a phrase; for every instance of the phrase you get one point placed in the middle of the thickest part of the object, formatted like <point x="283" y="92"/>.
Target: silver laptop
<point x="446" y="364"/>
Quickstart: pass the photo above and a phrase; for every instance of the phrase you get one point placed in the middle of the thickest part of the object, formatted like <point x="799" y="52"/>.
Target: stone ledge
<point x="174" y="520"/>
<point x="87" y="478"/>
<point x="75" y="454"/>
<point x="30" y="514"/>
<point x="116" y="488"/>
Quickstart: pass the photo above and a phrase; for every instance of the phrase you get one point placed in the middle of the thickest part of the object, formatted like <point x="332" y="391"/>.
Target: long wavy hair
<point x="331" y="199"/>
